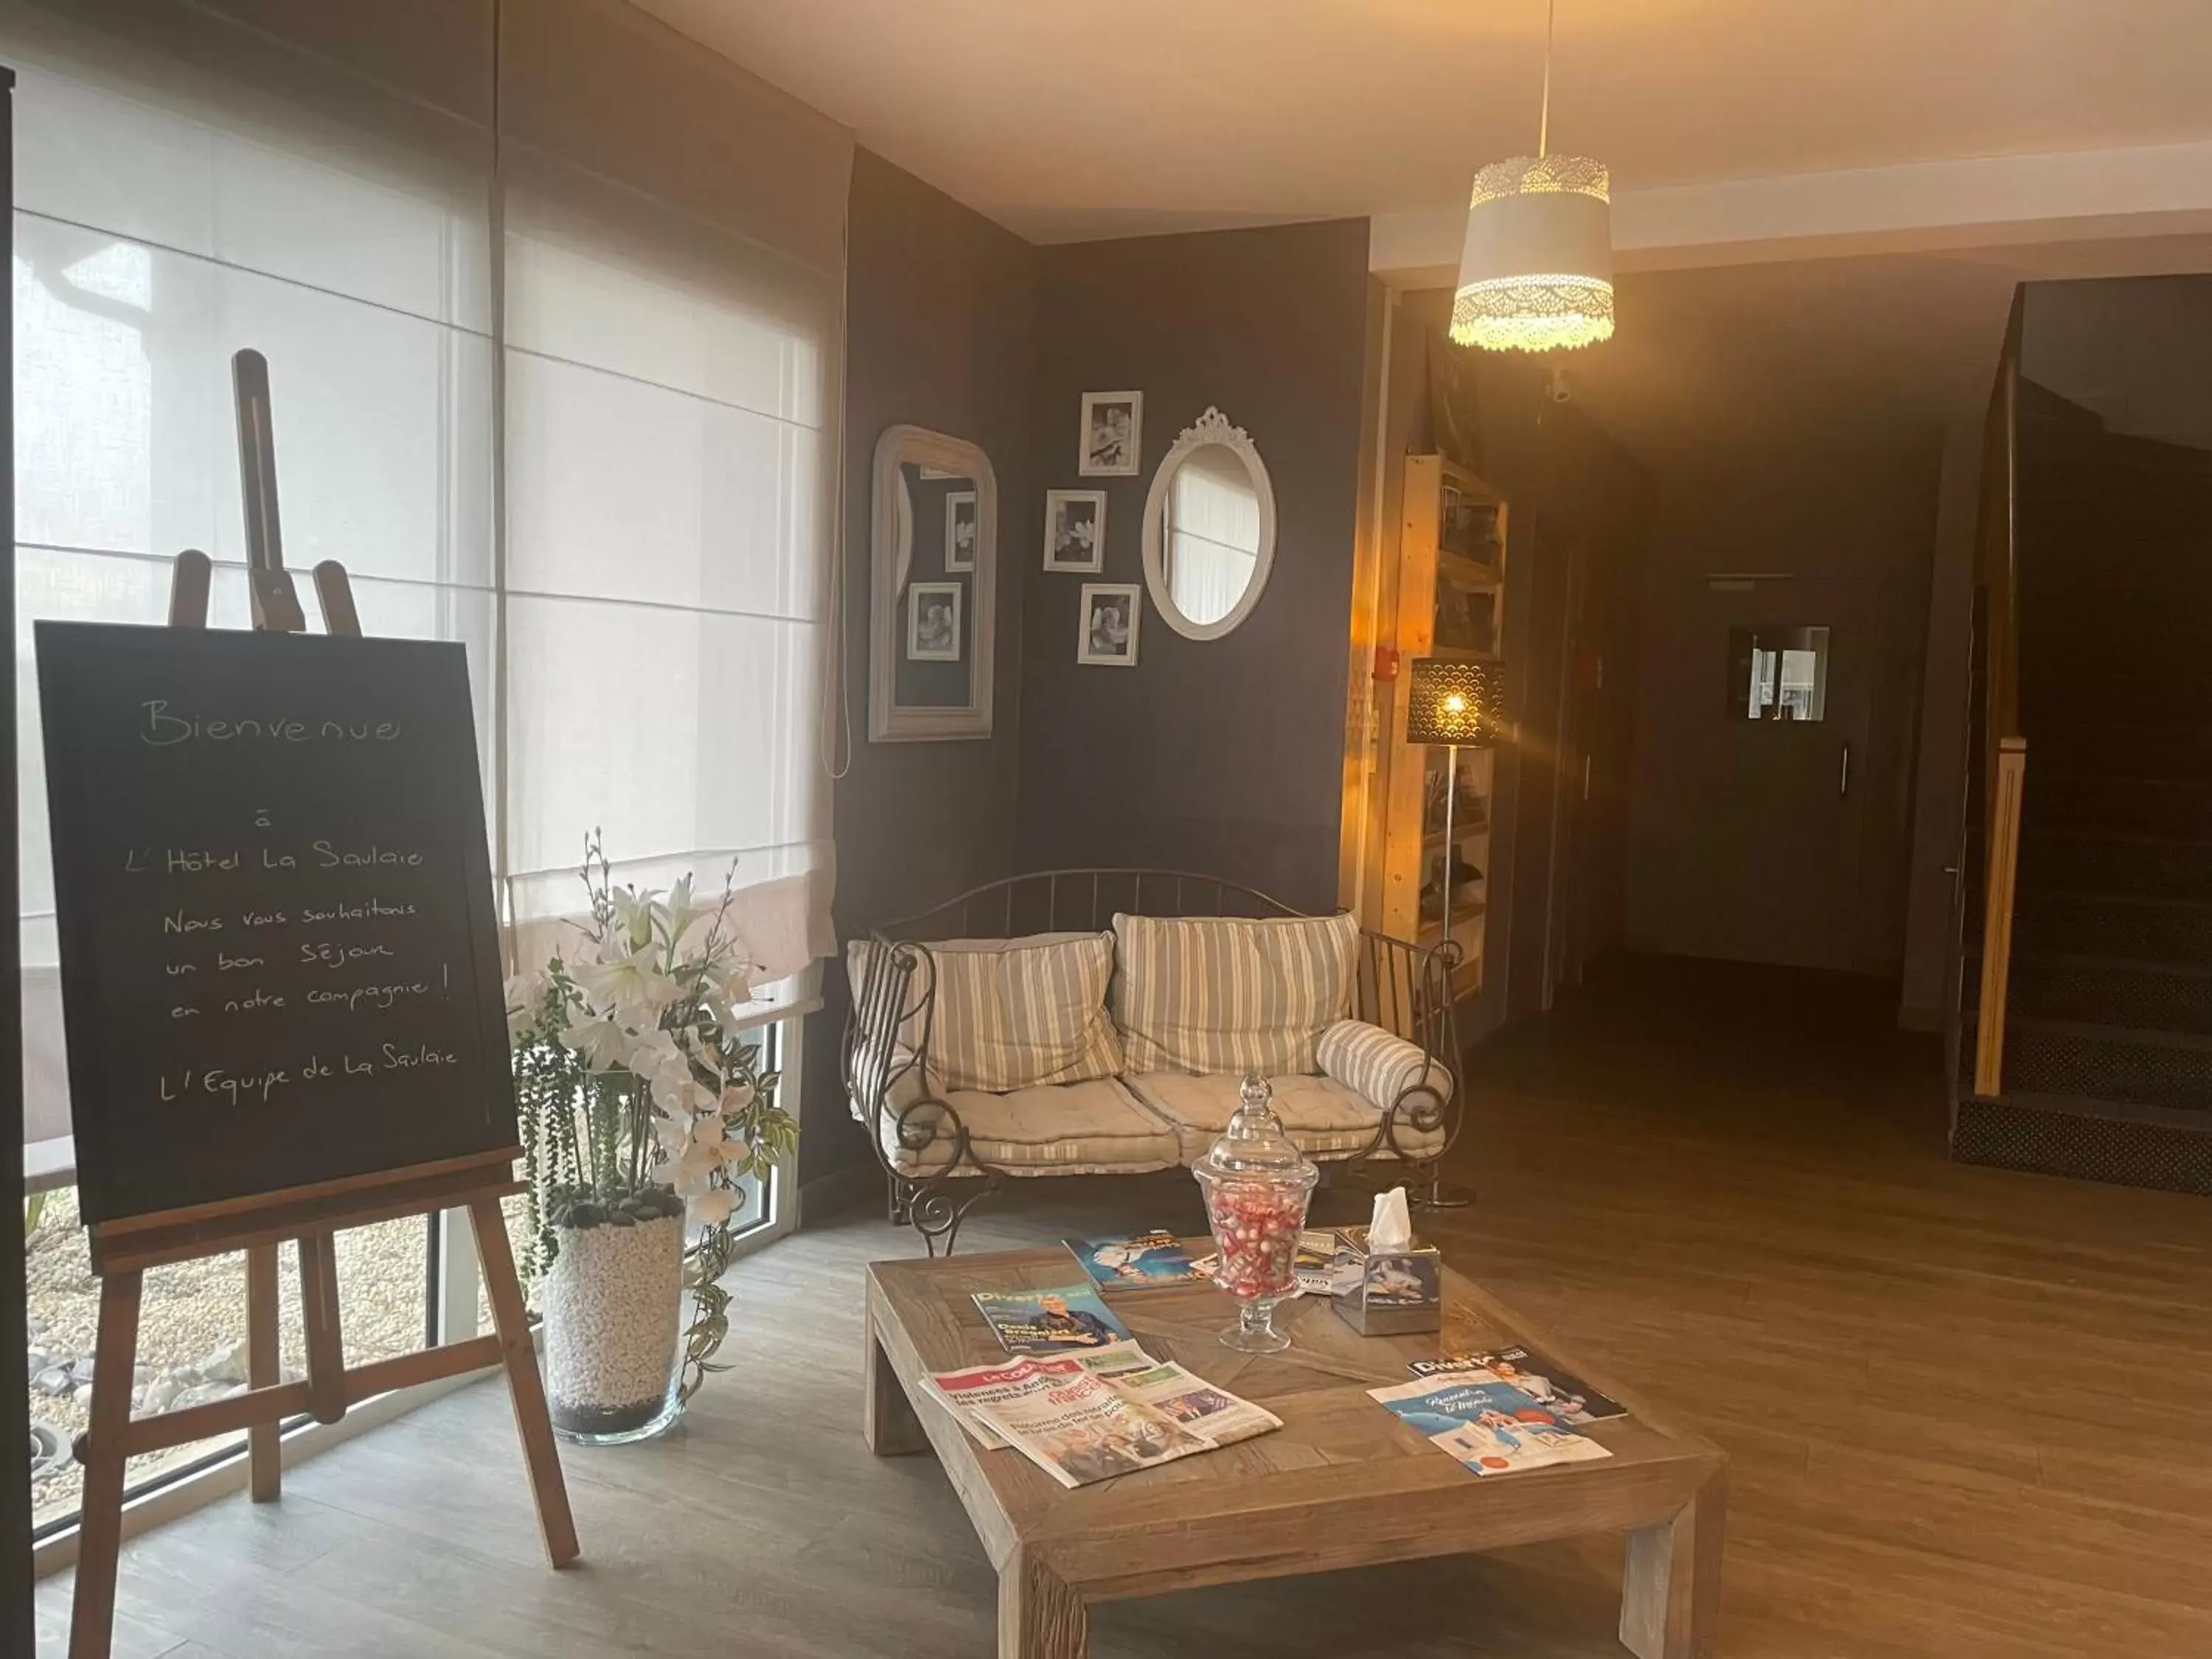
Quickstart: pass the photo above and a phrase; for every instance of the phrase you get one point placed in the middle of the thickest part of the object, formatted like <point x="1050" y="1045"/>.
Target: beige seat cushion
<point x="1211" y="995"/>
<point x="1008" y="1013"/>
<point x="1070" y="1128"/>
<point x="1325" y="1118"/>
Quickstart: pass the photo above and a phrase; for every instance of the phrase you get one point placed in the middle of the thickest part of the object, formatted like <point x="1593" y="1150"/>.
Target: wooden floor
<point x="1970" y="1412"/>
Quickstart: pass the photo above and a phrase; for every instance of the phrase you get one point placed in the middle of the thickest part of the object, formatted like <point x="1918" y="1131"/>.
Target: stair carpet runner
<point x="2108" y="1024"/>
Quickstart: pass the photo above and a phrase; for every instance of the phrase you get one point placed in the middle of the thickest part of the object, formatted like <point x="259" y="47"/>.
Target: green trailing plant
<point x="639" y="1098"/>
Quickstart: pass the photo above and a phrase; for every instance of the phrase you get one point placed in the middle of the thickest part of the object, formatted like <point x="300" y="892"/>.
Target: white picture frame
<point x="1070" y="516"/>
<point x="1106" y="625"/>
<point x="941" y="641"/>
<point x="960" y="514"/>
<point x="1109" y="443"/>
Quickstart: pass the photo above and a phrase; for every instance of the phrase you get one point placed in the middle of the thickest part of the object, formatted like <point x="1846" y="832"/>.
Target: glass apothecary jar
<point x="1257" y="1184"/>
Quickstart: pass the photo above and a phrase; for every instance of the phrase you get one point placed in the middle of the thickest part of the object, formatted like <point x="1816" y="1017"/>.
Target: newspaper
<point x="1074" y="1425"/>
<point x="1088" y="1416"/>
<point x="980" y="1385"/>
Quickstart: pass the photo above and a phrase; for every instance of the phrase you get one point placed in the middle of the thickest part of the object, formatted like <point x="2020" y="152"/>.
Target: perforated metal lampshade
<point x="1536" y="273"/>
<point x="1461" y="704"/>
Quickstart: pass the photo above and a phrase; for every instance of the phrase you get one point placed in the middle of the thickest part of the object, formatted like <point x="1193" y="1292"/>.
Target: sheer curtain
<point x="554" y="382"/>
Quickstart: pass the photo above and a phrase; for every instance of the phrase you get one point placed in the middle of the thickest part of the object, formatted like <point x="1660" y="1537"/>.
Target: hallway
<point x="1968" y="1410"/>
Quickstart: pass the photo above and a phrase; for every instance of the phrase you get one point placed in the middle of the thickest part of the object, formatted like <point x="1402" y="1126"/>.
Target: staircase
<point x="2107" y="1055"/>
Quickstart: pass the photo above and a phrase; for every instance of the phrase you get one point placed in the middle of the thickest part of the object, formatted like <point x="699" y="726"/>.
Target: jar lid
<point x="1254" y="1145"/>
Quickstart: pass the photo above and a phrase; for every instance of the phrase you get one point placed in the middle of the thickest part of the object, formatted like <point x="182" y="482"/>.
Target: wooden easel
<point x="123" y="1250"/>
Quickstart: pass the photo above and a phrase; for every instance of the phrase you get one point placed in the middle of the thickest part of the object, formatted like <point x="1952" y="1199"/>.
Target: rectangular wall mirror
<point x="933" y="561"/>
<point x="1778" y="673"/>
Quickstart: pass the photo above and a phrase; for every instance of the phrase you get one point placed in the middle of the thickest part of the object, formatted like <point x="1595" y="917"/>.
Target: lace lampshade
<point x="1535" y="272"/>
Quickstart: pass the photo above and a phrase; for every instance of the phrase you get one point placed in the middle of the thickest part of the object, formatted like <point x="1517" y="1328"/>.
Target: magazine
<point x="1561" y="1393"/>
<point x="1492" y="1427"/>
<point x="1141" y="1258"/>
<point x="956" y="1391"/>
<point x="1051" y="1321"/>
<point x="1075" y="1427"/>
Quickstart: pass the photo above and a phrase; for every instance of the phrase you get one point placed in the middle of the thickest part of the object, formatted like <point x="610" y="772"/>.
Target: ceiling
<point x="1726" y="364"/>
<point x="1067" y="120"/>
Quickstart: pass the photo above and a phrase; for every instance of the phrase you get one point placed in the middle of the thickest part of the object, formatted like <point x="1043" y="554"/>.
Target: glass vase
<point x="613" y="1306"/>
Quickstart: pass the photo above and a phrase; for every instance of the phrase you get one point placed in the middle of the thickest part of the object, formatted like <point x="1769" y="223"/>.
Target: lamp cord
<point x="1544" y="119"/>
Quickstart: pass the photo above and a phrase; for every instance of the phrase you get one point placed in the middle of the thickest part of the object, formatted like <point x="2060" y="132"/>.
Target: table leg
<point x="1671" y="1591"/>
<point x="1039" y="1616"/>
<point x="888" y="1422"/>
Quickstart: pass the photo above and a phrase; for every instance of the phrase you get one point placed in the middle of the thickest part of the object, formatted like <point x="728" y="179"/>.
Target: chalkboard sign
<point x="279" y="950"/>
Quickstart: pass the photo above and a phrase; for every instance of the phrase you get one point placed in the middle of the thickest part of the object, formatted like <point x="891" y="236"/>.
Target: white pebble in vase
<point x="612" y="1305"/>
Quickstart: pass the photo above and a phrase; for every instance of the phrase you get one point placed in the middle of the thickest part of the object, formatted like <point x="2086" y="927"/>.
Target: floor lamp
<point x="1452" y="705"/>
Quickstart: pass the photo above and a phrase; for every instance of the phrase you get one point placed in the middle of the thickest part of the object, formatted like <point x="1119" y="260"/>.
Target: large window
<point x="545" y="382"/>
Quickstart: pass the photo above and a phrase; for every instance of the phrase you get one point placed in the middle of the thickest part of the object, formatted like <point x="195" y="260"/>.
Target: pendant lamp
<point x="1536" y="270"/>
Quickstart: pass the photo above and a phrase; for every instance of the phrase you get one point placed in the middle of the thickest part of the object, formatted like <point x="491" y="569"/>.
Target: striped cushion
<point x="1227" y="994"/>
<point x="1379" y="1065"/>
<point x="1012" y="1013"/>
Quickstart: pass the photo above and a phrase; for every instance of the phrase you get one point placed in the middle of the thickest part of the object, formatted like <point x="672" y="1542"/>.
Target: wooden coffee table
<point x="1341" y="1483"/>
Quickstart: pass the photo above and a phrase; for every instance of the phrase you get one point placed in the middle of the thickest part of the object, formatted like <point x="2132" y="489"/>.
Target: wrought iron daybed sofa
<point x="1377" y="1085"/>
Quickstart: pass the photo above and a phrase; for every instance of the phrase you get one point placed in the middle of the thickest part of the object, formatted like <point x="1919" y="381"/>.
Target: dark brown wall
<point x="1223" y="756"/>
<point x="939" y="331"/>
<point x="1579" y="506"/>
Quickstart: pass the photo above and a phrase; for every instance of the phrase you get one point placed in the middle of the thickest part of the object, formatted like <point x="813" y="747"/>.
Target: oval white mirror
<point x="1209" y="530"/>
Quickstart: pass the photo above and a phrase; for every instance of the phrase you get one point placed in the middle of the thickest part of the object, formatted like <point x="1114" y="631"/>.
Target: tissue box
<point x="1399" y="1292"/>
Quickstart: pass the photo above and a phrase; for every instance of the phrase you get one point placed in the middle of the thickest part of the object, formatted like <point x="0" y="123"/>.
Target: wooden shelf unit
<point x="1451" y="599"/>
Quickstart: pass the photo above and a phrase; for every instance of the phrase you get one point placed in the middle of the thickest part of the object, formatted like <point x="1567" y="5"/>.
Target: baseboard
<point x="858" y="1185"/>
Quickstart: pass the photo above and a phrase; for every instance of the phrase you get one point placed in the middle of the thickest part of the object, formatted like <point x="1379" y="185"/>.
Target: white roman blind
<point x="636" y="570"/>
<point x="674" y="255"/>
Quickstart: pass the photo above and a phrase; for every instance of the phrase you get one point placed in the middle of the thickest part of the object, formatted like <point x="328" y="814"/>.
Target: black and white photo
<point x="933" y="623"/>
<point x="1112" y="434"/>
<point x="960" y="530"/>
<point x="1107" y="636"/>
<point x="1075" y="529"/>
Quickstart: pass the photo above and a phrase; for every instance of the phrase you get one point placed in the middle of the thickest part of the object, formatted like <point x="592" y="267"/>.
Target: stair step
<point x="2109" y="1062"/>
<point x="2154" y="806"/>
<point x="2130" y="926"/>
<point x="2097" y="861"/>
<point x="2089" y="1140"/>
<point x="2102" y="991"/>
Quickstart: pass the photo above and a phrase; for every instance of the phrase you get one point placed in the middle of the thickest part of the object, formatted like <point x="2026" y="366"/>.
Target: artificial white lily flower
<point x="605" y="1045"/>
<point x="631" y="986"/>
<point x="714" y="1206"/>
<point x="632" y="916"/>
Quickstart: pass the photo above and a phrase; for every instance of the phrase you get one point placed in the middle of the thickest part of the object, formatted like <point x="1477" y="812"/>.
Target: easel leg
<point x="319" y="1314"/>
<point x="264" y="1451"/>
<point x="524" y="1384"/>
<point x="100" y="1533"/>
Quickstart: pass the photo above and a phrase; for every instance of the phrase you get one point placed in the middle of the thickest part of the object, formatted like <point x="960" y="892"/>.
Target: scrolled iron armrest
<point x="1428" y="1021"/>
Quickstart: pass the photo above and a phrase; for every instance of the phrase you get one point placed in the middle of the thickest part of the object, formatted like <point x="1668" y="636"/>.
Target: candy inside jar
<point x="1256" y="1184"/>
